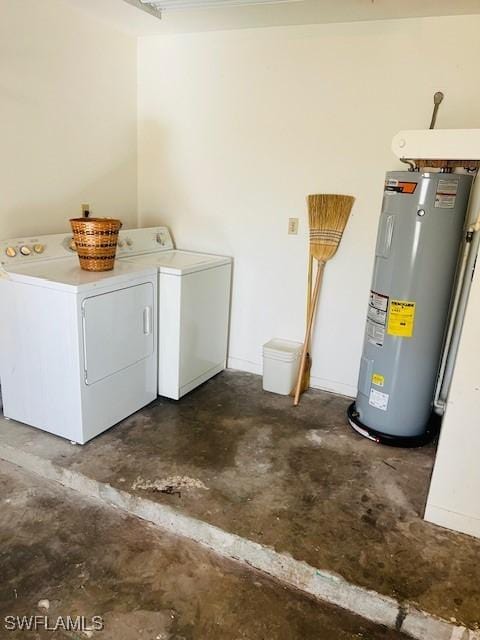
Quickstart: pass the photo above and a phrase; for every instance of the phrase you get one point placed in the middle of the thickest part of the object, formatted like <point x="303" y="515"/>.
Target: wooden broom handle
<point x="308" y="332"/>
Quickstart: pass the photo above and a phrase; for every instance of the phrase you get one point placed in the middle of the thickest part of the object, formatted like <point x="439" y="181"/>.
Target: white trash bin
<point x="281" y="359"/>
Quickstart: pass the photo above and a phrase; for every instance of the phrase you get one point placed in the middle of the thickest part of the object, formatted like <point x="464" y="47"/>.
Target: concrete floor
<point x="294" y="479"/>
<point x="90" y="560"/>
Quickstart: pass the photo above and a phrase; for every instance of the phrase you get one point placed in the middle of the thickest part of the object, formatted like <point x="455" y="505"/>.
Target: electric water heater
<point x="419" y="237"/>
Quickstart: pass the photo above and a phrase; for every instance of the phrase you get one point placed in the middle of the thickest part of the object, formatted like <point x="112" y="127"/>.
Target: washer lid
<point x="180" y="262"/>
<point x="65" y="274"/>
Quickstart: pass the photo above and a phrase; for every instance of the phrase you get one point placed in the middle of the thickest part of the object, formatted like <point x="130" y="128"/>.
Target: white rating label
<point x="378" y="400"/>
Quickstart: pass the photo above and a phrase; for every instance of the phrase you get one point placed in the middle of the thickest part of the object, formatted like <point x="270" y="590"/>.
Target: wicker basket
<point x="96" y="242"/>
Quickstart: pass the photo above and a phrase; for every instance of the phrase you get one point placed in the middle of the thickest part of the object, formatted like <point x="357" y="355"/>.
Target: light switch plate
<point x="292" y="226"/>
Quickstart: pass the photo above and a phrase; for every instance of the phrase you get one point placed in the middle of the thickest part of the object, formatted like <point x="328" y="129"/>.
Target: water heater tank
<point x="419" y="236"/>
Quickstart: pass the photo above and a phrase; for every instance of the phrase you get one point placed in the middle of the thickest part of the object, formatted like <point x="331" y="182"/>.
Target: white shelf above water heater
<point x="438" y="144"/>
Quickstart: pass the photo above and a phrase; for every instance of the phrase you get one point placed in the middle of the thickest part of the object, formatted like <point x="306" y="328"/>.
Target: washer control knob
<point x="121" y="243"/>
<point x="129" y="242"/>
<point x="11" y="252"/>
<point x="160" y="239"/>
<point x="39" y="248"/>
<point x="71" y="245"/>
<point x="25" y="251"/>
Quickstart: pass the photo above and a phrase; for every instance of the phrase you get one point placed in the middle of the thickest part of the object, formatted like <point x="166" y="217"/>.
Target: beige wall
<point x="67" y="118"/>
<point x="235" y="128"/>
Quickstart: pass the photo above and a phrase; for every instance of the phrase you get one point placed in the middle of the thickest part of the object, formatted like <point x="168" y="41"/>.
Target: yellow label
<point x="401" y="318"/>
<point x="378" y="379"/>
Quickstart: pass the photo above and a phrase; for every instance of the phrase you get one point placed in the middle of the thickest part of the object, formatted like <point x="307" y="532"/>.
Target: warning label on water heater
<point x="375" y="334"/>
<point x="446" y="193"/>
<point x="377" y="318"/>
<point x="378" y="379"/>
<point x="401" y="319"/>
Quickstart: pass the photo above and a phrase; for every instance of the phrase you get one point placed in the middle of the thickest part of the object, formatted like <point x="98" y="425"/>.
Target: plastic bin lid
<point x="282" y="349"/>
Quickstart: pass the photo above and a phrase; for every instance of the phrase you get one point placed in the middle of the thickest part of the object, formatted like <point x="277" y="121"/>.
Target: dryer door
<point x="117" y="330"/>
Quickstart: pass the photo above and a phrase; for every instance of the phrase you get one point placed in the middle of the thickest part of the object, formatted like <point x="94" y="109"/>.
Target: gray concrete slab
<point x="295" y="480"/>
<point x="82" y="558"/>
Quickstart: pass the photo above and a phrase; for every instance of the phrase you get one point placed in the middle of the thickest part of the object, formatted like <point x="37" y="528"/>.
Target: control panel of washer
<point x="132" y="242"/>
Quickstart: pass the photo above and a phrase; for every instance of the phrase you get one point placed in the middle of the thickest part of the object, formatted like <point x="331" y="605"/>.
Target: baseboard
<point x="324" y="384"/>
<point x="245" y="365"/>
<point x="339" y="388"/>
<point x="452" y="520"/>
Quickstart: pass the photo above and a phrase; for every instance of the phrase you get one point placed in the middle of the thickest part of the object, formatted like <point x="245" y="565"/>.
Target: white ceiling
<point x="128" y="18"/>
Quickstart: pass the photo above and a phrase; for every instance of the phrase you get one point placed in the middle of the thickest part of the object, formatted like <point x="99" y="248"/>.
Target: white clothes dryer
<point x="78" y="348"/>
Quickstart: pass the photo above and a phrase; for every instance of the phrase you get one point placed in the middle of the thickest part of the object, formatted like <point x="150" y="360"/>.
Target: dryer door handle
<point x="147" y="321"/>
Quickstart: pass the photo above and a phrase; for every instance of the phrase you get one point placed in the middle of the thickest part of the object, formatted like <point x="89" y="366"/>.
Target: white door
<point x="117" y="330"/>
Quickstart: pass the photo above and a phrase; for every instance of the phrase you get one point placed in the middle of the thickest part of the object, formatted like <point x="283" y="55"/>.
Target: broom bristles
<point x="327" y="215"/>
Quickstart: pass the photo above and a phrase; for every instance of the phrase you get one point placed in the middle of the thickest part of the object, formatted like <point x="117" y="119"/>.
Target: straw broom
<point x="327" y="215"/>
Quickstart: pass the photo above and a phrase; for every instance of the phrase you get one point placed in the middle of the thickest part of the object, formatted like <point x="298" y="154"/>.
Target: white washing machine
<point x="193" y="308"/>
<point x="78" y="349"/>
